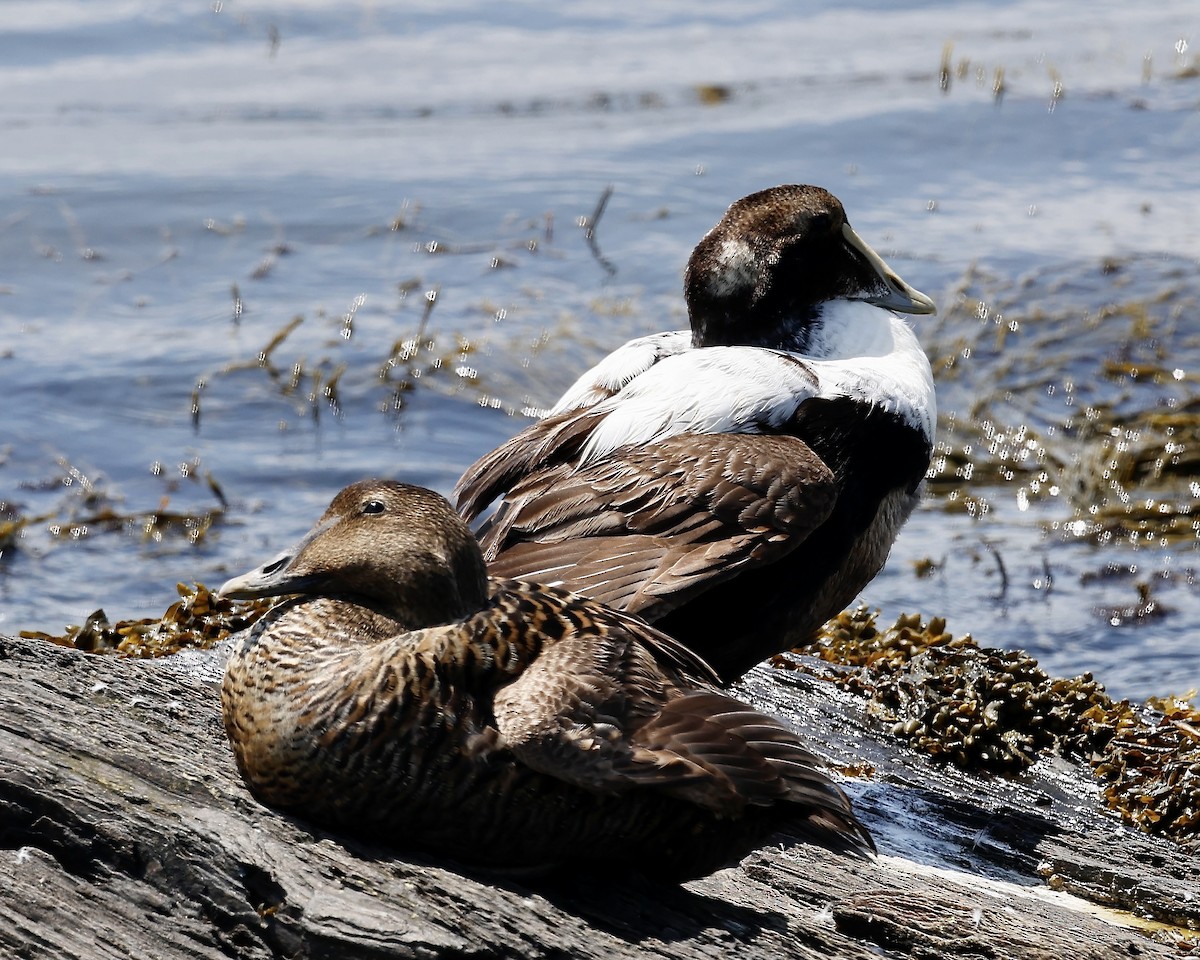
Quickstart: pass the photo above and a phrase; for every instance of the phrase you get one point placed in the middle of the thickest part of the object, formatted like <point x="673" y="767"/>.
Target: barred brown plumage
<point x="498" y="723"/>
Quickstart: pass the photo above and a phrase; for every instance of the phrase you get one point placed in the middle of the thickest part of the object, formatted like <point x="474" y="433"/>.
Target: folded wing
<point x="607" y="715"/>
<point x="649" y="527"/>
<point x="683" y="477"/>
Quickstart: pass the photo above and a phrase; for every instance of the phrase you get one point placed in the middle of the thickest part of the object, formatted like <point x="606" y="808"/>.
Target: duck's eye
<point x="373" y="506"/>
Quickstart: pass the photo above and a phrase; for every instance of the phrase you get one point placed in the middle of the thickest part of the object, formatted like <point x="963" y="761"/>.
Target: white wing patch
<point x="712" y="390"/>
<point x="658" y="386"/>
<point x="620" y="367"/>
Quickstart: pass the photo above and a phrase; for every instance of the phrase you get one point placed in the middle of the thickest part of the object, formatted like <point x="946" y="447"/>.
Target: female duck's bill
<point x="402" y="697"/>
<point x="740" y="485"/>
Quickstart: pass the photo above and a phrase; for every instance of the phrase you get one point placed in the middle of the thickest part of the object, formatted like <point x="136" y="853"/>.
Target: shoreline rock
<point x="126" y="831"/>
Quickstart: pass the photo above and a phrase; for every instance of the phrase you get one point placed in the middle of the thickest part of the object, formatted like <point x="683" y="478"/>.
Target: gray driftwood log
<point x="126" y="832"/>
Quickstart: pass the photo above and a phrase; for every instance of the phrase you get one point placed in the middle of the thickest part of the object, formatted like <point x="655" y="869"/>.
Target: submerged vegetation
<point x="1079" y="387"/>
<point x="1106" y="437"/>
<point x="87" y="506"/>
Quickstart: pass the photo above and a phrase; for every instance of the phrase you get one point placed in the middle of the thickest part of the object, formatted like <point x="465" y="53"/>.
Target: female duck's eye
<point x="373" y="506"/>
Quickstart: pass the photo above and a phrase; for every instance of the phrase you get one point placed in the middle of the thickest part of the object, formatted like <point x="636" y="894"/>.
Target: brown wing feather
<point x="598" y="674"/>
<point x="649" y="527"/>
<point x="605" y="709"/>
<point x="549" y="441"/>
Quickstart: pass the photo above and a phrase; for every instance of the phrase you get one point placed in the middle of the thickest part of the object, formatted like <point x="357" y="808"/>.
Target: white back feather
<point x="872" y="355"/>
<point x="620" y="367"/>
<point x="710" y="390"/>
<point x="663" y="387"/>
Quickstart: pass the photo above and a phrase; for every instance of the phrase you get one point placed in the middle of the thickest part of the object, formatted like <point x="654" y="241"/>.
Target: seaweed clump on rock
<point x="993" y="710"/>
<point x="198" y="619"/>
<point x="1151" y="770"/>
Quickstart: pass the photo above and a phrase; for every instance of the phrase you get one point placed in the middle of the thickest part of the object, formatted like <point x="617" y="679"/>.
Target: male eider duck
<point x="738" y="484"/>
<point x="405" y="698"/>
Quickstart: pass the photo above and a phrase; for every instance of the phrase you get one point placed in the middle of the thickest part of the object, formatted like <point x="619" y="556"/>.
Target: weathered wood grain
<point x="125" y="831"/>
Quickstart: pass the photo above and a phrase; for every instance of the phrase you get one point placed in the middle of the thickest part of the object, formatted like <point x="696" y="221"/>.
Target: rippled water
<point x="179" y="182"/>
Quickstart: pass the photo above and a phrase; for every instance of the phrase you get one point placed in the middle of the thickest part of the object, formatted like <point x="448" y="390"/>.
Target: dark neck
<point x="869" y="450"/>
<point x="750" y="317"/>
<point x="750" y="330"/>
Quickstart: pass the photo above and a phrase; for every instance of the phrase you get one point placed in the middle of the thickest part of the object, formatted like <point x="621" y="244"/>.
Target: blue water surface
<point x="180" y="181"/>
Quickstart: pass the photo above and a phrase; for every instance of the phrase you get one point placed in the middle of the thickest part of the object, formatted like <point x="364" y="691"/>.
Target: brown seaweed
<point x="198" y="619"/>
<point x="997" y="711"/>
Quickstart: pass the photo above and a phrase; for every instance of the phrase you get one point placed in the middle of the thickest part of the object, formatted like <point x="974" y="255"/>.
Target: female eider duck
<point x="740" y="483"/>
<point x="404" y="698"/>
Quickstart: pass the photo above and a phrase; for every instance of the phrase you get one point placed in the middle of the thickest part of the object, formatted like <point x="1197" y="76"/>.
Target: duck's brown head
<point x="399" y="549"/>
<point x="765" y="273"/>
